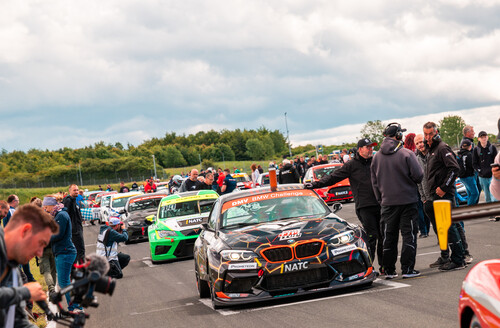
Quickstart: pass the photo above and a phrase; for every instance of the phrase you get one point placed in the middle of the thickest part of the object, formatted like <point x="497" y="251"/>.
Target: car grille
<point x="185" y="248"/>
<point x="299" y="251"/>
<point x="308" y="249"/>
<point x="340" y="191"/>
<point x="278" y="254"/>
<point x="240" y="284"/>
<point x="349" y="268"/>
<point x="296" y="279"/>
<point x="191" y="232"/>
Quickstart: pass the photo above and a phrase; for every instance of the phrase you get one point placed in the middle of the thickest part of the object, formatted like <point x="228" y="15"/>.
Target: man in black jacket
<point x="442" y="170"/>
<point x="288" y="174"/>
<point x="482" y="157"/>
<point x="366" y="205"/>
<point x="73" y="210"/>
<point x="467" y="174"/>
<point x="395" y="173"/>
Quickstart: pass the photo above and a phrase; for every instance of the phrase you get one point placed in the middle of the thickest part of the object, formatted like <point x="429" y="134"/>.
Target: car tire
<point x="474" y="322"/>
<point x="202" y="285"/>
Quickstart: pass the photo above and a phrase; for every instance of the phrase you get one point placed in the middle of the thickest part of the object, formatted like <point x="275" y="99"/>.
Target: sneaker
<point x="423" y="235"/>
<point x="440" y="261"/>
<point x="412" y="274"/>
<point x="389" y="276"/>
<point x="451" y="266"/>
<point x="468" y="259"/>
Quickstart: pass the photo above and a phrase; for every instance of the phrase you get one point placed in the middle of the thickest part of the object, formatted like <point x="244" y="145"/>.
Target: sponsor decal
<point x="289" y="234"/>
<point x="258" y="198"/>
<point x="146" y="197"/>
<point x="191" y="221"/>
<point x="338" y="193"/>
<point x="243" y="266"/>
<point x="295" y="266"/>
<point x="356" y="276"/>
<point x="344" y="249"/>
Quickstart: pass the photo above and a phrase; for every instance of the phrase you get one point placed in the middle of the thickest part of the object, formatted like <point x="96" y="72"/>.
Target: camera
<point x="86" y="279"/>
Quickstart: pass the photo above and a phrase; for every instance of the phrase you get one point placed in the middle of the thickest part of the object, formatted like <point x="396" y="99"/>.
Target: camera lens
<point x="105" y="285"/>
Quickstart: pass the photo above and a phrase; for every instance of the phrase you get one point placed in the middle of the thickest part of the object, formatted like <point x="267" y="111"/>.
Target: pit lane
<point x="165" y="295"/>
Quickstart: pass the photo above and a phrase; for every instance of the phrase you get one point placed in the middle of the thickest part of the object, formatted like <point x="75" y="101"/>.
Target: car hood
<point x="284" y="232"/>
<point x="141" y="214"/>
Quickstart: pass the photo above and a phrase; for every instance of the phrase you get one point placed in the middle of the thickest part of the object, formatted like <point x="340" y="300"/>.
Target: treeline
<point x="110" y="161"/>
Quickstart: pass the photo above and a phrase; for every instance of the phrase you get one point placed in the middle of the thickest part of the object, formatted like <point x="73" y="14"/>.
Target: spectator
<point x="335" y="158"/>
<point x="73" y="210"/>
<point x="236" y="170"/>
<point x="220" y="179"/>
<point x="4" y="208"/>
<point x="109" y="188"/>
<point x="322" y="159"/>
<point x="395" y="173"/>
<point x="261" y="170"/>
<point x="303" y="168"/>
<point x="495" y="182"/>
<point x="466" y="172"/>
<point x="255" y="175"/>
<point x="13" y="202"/>
<point x="288" y="174"/>
<point x="100" y="188"/>
<point x="442" y="170"/>
<point x="207" y="183"/>
<point x="28" y="232"/>
<point x="424" y="222"/>
<point x="124" y="188"/>
<point x="135" y="186"/>
<point x="366" y="205"/>
<point x="410" y="142"/>
<point x="107" y="246"/>
<point x="190" y="183"/>
<point x="482" y="157"/>
<point x="468" y="134"/>
<point x="345" y="156"/>
<point x="229" y="183"/>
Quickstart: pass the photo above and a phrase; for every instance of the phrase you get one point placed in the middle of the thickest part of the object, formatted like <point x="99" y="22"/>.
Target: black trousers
<point x="77" y="239"/>
<point x="116" y="267"/>
<point x="370" y="219"/>
<point x="395" y="219"/>
<point x="454" y="240"/>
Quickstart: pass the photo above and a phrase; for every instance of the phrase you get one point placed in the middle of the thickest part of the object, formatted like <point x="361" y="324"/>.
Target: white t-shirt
<point x="346" y="158"/>
<point x="255" y="177"/>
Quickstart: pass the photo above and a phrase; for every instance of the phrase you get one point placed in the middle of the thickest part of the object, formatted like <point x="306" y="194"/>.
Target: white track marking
<point x="149" y="263"/>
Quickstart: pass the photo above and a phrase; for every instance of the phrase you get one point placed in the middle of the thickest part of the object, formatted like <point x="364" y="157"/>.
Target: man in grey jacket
<point x="424" y="223"/>
<point x="395" y="173"/>
<point x="28" y="232"/>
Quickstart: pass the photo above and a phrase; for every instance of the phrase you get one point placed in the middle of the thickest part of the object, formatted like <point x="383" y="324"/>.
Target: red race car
<point x="479" y="304"/>
<point x="340" y="191"/>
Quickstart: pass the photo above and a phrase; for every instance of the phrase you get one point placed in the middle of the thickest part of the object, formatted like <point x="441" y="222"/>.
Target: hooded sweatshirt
<point x="482" y="158"/>
<point x="395" y="173"/>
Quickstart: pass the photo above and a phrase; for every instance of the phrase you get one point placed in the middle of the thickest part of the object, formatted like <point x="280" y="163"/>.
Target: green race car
<point x="177" y="224"/>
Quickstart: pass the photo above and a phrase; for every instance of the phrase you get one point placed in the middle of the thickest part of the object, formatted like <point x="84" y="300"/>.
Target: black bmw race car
<point x="135" y="213"/>
<point x="261" y="244"/>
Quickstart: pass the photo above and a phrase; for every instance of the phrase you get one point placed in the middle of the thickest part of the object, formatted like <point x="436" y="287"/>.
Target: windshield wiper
<point x="239" y="225"/>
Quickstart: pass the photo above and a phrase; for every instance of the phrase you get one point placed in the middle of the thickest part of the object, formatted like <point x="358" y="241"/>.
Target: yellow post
<point x="442" y="212"/>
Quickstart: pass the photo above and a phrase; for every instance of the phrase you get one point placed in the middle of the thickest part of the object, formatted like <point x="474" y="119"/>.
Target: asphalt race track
<point x="165" y="295"/>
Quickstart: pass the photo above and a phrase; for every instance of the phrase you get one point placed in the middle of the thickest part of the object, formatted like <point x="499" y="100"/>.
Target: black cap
<point x="465" y="143"/>
<point x="392" y="130"/>
<point x="482" y="134"/>
<point x="366" y="142"/>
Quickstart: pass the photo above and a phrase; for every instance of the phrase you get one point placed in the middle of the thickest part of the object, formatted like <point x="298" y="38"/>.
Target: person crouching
<point x="107" y="245"/>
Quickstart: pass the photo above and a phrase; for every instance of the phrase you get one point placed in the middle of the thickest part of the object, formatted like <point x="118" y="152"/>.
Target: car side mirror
<point x="150" y="218"/>
<point x="204" y="226"/>
<point x="336" y="207"/>
<point x="122" y="211"/>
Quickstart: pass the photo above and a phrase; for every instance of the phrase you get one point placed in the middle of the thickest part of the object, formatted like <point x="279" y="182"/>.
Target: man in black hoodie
<point x="467" y="174"/>
<point x="441" y="172"/>
<point x="288" y="174"/>
<point x="367" y="206"/>
<point x="73" y="210"/>
<point x="395" y="173"/>
<point x="482" y="157"/>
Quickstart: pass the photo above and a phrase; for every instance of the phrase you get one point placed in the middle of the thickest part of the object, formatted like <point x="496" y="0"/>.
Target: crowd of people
<point x="52" y="231"/>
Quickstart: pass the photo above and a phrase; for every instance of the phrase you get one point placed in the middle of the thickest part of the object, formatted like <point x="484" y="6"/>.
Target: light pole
<point x="288" y="137"/>
<point x="154" y="164"/>
<point x="199" y="157"/>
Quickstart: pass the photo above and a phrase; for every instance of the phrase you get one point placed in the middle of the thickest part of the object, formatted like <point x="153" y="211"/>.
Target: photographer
<point x="27" y="234"/>
<point x="107" y="245"/>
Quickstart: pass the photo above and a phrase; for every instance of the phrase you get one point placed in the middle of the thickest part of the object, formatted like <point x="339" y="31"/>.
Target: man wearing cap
<point x="467" y="173"/>
<point x="482" y="158"/>
<point x="107" y="246"/>
<point x="395" y="173"/>
<point x="367" y="207"/>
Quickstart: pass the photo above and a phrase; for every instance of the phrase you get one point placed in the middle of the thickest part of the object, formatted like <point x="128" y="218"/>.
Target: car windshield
<point x="242" y="179"/>
<point x="106" y="200"/>
<point x="144" y="204"/>
<point x="319" y="173"/>
<point x="273" y="209"/>
<point x="179" y="209"/>
<point x="120" y="202"/>
<point x="265" y="179"/>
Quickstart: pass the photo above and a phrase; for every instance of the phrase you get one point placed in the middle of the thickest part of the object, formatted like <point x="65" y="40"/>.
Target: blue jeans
<point x="485" y="185"/>
<point x="424" y="223"/>
<point x="64" y="262"/>
<point x="471" y="186"/>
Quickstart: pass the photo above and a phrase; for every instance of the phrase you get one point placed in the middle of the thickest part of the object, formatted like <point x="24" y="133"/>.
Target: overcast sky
<point x="74" y="73"/>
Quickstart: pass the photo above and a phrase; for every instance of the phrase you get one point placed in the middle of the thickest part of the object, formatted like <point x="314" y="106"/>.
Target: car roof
<point x="154" y="195"/>
<point x="126" y="194"/>
<point x="189" y="195"/>
<point x="259" y="191"/>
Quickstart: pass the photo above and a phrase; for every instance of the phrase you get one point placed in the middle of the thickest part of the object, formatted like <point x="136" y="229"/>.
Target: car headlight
<point x="342" y="238"/>
<point x="166" y="233"/>
<point x="237" y="255"/>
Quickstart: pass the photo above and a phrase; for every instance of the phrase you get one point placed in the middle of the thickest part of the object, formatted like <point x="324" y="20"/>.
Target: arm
<point x="63" y="226"/>
<point x="338" y="175"/>
<point x="450" y="162"/>
<point x="475" y="160"/>
<point x="416" y="171"/>
<point x="375" y="187"/>
<point x="495" y="182"/>
<point x="115" y="236"/>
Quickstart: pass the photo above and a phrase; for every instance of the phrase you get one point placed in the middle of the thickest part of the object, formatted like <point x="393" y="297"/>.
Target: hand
<point x="496" y="172"/>
<point x="440" y="192"/>
<point x="36" y="291"/>
<point x="308" y="185"/>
